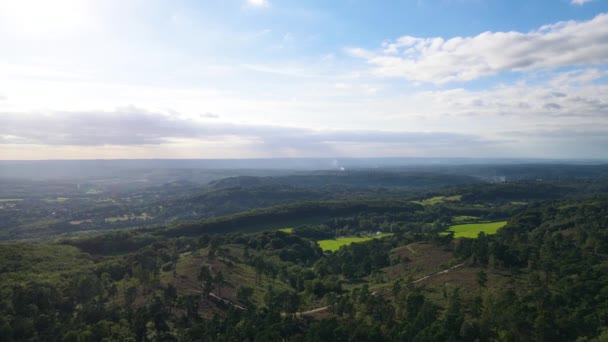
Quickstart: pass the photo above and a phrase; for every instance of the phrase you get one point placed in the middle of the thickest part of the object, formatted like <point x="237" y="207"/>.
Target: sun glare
<point x="43" y="17"/>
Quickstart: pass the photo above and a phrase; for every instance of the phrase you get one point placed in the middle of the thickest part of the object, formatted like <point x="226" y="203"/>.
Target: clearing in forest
<point x="471" y="230"/>
<point x="335" y="244"/>
<point x="439" y="199"/>
<point x="125" y="217"/>
<point x="464" y="219"/>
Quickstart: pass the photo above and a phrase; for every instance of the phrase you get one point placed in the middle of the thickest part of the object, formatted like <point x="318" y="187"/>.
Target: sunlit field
<point x="471" y="230"/>
<point x="335" y="244"/>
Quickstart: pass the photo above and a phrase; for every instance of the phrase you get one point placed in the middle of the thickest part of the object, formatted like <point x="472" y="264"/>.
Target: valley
<point x="433" y="262"/>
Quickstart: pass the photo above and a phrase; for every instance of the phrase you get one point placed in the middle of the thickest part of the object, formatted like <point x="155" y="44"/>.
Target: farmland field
<point x="439" y="199"/>
<point x="335" y="244"/>
<point x="56" y="200"/>
<point x="286" y="230"/>
<point x="473" y="229"/>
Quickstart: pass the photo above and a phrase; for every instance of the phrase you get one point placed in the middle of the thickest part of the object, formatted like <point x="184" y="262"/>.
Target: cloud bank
<point x="132" y="126"/>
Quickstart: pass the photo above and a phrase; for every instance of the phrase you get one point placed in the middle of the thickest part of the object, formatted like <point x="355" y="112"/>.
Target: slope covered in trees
<point x="543" y="277"/>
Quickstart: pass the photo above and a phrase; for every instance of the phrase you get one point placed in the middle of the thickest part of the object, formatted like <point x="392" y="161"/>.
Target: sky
<point x="121" y="79"/>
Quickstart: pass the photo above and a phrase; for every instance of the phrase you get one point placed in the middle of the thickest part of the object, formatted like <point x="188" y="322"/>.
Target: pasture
<point x="471" y="230"/>
<point x="439" y="199"/>
<point x="335" y="244"/>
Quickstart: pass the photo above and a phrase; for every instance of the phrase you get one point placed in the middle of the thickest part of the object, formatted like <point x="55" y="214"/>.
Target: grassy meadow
<point x="335" y="244"/>
<point x="471" y="230"/>
<point x="439" y="199"/>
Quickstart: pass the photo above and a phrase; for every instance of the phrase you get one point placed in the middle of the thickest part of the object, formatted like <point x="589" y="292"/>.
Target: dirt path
<point x="324" y="308"/>
<point x="436" y="273"/>
<point x="213" y="296"/>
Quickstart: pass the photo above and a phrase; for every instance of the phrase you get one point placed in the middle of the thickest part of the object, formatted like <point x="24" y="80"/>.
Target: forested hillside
<point x="239" y="277"/>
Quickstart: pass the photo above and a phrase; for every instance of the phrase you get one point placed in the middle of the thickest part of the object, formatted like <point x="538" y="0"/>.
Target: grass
<point x="335" y="244"/>
<point x="56" y="200"/>
<point x="283" y="223"/>
<point x="411" y="250"/>
<point x="286" y="230"/>
<point x="93" y="192"/>
<point x="11" y="200"/>
<point x="471" y="230"/>
<point x="519" y="203"/>
<point x="22" y="262"/>
<point x="236" y="272"/>
<point x="439" y="199"/>
<point x="80" y="222"/>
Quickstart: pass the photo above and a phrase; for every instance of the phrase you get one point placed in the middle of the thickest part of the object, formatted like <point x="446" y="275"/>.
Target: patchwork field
<point x="471" y="230"/>
<point x="335" y="244"/>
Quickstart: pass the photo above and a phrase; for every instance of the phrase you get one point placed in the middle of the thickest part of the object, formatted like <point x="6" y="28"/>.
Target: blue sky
<point x="271" y="78"/>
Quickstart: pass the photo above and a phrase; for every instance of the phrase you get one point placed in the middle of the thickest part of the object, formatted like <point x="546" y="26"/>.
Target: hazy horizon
<point x="242" y="79"/>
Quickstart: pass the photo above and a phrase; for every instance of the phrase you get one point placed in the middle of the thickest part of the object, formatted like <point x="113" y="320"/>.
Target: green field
<point x="439" y="199"/>
<point x="56" y="200"/>
<point x="471" y="230"/>
<point x="335" y="244"/>
<point x="286" y="230"/>
<point x="93" y="192"/>
<point x="519" y="203"/>
<point x="11" y="200"/>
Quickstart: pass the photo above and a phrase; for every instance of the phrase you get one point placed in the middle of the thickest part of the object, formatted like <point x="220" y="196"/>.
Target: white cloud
<point x="258" y="3"/>
<point x="437" y="60"/>
<point x="580" y="2"/>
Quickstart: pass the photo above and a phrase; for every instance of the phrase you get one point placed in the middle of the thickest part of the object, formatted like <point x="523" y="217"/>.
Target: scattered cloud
<point x="439" y="61"/>
<point x="552" y="106"/>
<point x="258" y="3"/>
<point x="210" y="116"/>
<point x="579" y="2"/>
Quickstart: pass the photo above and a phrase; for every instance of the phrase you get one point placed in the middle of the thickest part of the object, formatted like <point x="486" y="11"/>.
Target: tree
<point x="170" y="295"/>
<point x="206" y="280"/>
<point x="219" y="281"/>
<point x="396" y="288"/>
<point x="482" y="278"/>
<point x="244" y="295"/>
<point x="332" y="300"/>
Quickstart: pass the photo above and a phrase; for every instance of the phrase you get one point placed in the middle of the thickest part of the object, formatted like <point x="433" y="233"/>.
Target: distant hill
<point x="349" y="179"/>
